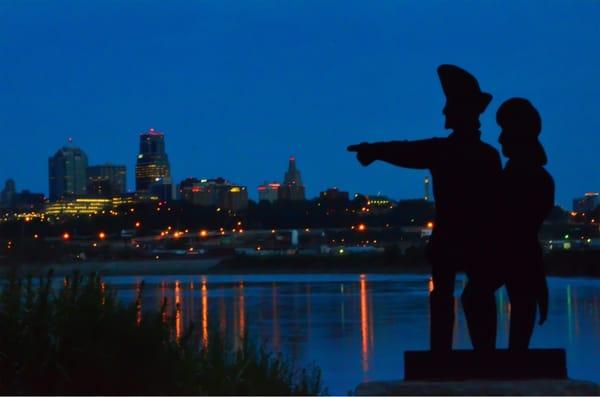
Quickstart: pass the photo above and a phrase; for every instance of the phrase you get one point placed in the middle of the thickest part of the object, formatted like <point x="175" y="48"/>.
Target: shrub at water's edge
<point x="78" y="339"/>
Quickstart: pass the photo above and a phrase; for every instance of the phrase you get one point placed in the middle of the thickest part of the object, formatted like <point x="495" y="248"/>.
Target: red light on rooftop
<point x="152" y="131"/>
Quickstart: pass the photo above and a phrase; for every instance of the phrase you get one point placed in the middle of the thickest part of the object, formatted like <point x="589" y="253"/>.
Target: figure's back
<point x="466" y="176"/>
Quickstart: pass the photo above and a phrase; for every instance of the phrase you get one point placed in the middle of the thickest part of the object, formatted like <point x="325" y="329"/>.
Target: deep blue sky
<point x="239" y="86"/>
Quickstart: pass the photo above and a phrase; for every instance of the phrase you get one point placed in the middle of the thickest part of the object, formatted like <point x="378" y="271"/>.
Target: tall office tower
<point x="292" y="187"/>
<point x="427" y="183"/>
<point x="152" y="165"/>
<point x="67" y="173"/>
<point x="8" y="195"/>
<point x="268" y="192"/>
<point x="106" y="180"/>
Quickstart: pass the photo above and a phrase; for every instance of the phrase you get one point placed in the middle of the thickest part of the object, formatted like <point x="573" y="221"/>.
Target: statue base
<point x="496" y="364"/>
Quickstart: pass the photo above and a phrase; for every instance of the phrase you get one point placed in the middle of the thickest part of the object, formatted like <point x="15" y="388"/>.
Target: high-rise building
<point x="426" y="185"/>
<point x="8" y="195"/>
<point x="106" y="180"/>
<point x="152" y="165"/>
<point x="589" y="202"/>
<point x="292" y="187"/>
<point x="268" y="192"/>
<point x="67" y="173"/>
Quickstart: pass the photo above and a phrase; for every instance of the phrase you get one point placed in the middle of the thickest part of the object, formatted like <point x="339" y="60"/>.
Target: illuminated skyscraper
<point x="292" y="187"/>
<point x="152" y="165"/>
<point x="67" y="171"/>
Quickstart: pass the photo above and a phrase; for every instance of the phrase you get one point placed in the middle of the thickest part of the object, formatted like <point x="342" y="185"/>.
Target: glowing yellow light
<point x="66" y="236"/>
<point x="101" y="235"/>
<point x="362" y="227"/>
<point x="430" y="225"/>
<point x="138" y="224"/>
<point x="203" y="233"/>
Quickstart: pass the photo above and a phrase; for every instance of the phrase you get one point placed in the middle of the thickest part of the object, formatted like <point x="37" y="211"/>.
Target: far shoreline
<point x="562" y="266"/>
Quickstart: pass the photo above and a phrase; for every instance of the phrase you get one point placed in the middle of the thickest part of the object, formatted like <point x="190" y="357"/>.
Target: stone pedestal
<point x="497" y="364"/>
<point x="534" y="387"/>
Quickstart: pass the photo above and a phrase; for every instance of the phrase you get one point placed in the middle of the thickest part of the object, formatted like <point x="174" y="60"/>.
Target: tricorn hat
<point x="461" y="87"/>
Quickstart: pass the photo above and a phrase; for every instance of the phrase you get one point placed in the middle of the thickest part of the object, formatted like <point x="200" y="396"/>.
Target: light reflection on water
<point x="356" y="328"/>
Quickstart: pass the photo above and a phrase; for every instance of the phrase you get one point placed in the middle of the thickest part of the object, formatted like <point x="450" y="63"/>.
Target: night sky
<point x="239" y="86"/>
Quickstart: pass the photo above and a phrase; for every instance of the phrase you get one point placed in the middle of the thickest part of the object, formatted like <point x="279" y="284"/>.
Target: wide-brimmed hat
<point x="461" y="87"/>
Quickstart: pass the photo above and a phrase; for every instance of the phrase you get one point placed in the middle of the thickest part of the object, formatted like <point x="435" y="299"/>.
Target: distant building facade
<point x="28" y="201"/>
<point x="269" y="192"/>
<point x="78" y="206"/>
<point x="8" y="194"/>
<point x="334" y="195"/>
<point x="152" y="166"/>
<point x="67" y="171"/>
<point x="292" y="187"/>
<point x="214" y="192"/>
<point x="106" y="180"/>
<point x="589" y="202"/>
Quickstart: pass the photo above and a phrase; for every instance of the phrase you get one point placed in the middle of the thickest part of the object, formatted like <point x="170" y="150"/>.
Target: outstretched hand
<point x="363" y="154"/>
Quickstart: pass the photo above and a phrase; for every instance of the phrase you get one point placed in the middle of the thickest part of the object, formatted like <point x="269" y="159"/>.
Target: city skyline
<point x="240" y="87"/>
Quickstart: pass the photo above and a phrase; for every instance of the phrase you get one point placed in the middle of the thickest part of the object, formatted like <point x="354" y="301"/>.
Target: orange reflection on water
<point x="178" y="314"/>
<point x="276" y="335"/>
<point x="364" y="323"/>
<point x="138" y="304"/>
<point x="204" y="314"/>
<point x="242" y="312"/>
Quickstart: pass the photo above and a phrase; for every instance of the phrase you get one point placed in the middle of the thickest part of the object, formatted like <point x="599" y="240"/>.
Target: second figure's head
<point x="521" y="125"/>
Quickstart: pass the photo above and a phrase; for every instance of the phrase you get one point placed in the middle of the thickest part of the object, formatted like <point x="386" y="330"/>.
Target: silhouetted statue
<point x="466" y="173"/>
<point x="529" y="198"/>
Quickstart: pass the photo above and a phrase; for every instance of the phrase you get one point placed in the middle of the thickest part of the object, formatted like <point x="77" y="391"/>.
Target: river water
<point x="356" y="327"/>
